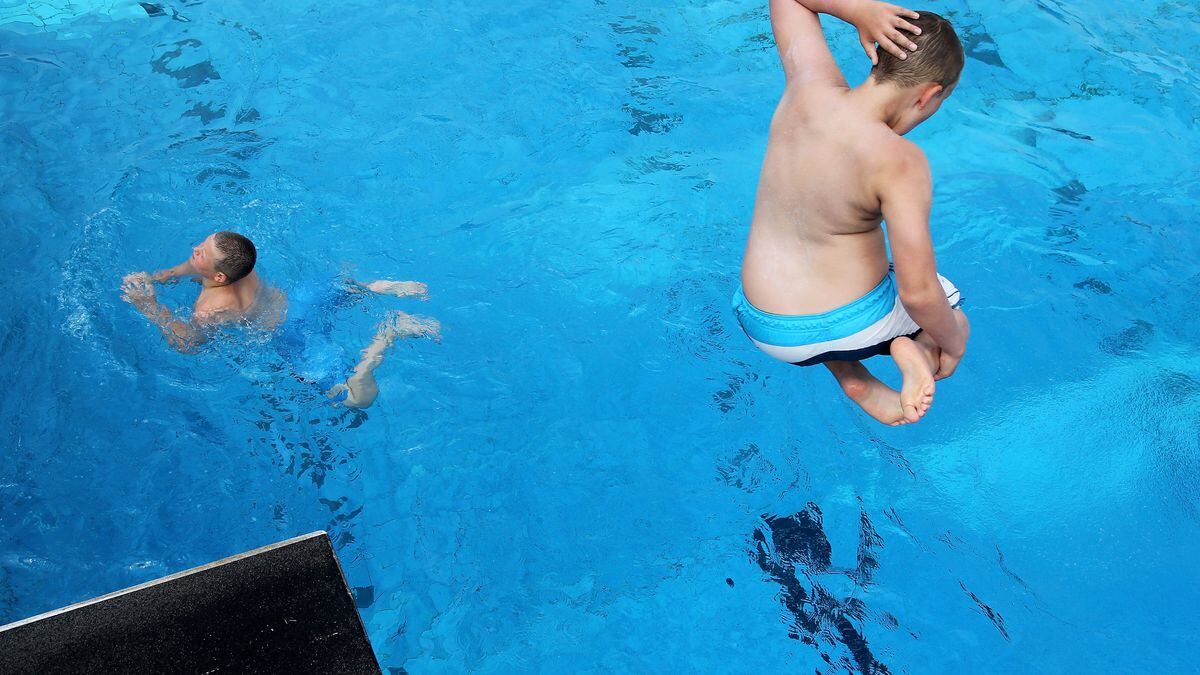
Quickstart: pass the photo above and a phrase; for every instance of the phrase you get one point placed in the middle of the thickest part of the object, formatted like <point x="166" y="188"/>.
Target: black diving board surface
<point x="283" y="608"/>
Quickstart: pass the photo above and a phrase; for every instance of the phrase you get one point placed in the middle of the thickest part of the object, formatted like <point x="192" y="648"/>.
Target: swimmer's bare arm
<point x="801" y="43"/>
<point x="184" y="336"/>
<point x="906" y="194"/>
<point x="172" y="274"/>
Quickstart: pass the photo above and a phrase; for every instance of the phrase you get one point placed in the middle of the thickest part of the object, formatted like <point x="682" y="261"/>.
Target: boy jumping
<point x="816" y="283"/>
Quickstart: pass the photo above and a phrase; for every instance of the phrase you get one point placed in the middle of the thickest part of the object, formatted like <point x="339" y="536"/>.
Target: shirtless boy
<point x="816" y="282"/>
<point x="231" y="292"/>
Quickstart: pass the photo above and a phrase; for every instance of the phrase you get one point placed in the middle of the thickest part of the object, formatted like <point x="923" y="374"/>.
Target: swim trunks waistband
<point x="801" y="329"/>
<point x="860" y="329"/>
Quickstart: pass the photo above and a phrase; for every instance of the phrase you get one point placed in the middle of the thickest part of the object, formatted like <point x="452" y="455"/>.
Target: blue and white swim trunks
<point x="861" y="329"/>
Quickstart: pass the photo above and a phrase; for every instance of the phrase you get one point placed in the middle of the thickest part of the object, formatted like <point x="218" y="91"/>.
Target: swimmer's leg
<point x="875" y="398"/>
<point x="400" y="289"/>
<point x="360" y="388"/>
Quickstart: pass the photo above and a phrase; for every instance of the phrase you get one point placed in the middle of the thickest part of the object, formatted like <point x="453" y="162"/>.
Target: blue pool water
<point x="594" y="470"/>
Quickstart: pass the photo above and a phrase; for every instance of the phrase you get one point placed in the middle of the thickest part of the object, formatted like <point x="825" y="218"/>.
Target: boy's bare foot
<point x="399" y="289"/>
<point x="401" y="325"/>
<point x="917" y="363"/>
<point x="875" y="398"/>
<point x="360" y="388"/>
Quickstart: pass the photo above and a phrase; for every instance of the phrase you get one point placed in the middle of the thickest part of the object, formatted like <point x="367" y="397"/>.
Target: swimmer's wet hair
<point x="939" y="55"/>
<point x="238" y="255"/>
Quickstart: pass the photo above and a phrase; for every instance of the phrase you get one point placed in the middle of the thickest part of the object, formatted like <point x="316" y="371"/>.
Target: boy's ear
<point x="928" y="94"/>
<point x="220" y="278"/>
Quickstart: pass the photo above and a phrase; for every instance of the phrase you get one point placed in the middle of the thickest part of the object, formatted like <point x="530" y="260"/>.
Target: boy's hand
<point x="881" y="22"/>
<point x="948" y="362"/>
<point x="138" y="291"/>
<point x="946" y="365"/>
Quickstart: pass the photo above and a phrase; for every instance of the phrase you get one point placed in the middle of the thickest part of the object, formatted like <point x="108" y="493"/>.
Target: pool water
<point x="594" y="470"/>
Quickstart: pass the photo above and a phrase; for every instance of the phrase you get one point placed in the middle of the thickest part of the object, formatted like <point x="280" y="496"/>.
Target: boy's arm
<point x="183" y="269"/>
<point x="138" y="291"/>
<point x="906" y="194"/>
<point x="801" y="43"/>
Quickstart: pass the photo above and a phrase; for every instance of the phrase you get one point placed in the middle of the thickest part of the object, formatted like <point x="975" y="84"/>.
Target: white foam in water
<point x="79" y="294"/>
<point x="87" y="292"/>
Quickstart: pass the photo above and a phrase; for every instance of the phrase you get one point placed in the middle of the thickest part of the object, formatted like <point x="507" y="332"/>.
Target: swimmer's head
<point x="928" y="75"/>
<point x="224" y="257"/>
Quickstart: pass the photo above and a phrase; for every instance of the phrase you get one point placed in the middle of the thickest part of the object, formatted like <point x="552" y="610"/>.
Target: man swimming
<point x="232" y="293"/>
<point x="816" y="284"/>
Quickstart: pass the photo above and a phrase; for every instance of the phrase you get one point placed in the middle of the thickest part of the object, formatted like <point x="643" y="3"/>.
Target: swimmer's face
<point x="930" y="98"/>
<point x="205" y="257"/>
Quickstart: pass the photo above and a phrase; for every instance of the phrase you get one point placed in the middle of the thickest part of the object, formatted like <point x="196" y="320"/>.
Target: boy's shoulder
<point x="901" y="170"/>
<point x="900" y="157"/>
<point x="903" y="152"/>
<point x="216" y="305"/>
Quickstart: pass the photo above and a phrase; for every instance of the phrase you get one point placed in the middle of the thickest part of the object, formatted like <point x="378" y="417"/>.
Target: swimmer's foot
<point x="916" y="362"/>
<point x="360" y="388"/>
<point x="401" y="325"/>
<point x="875" y="398"/>
<point x="400" y="289"/>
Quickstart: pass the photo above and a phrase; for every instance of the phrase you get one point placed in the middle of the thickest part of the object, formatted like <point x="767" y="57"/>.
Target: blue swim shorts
<point x="305" y="339"/>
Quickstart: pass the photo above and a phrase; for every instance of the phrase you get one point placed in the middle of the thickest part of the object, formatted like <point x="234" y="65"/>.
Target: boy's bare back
<point x="815" y="240"/>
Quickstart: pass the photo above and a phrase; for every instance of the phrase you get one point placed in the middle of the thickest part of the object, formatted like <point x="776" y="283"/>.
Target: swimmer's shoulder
<point x="904" y="154"/>
<point x="899" y="162"/>
<point x="212" y="309"/>
<point x="222" y="305"/>
<point x="269" y="308"/>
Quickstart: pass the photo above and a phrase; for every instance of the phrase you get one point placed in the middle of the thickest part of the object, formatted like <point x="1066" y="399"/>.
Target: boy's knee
<point x="854" y="387"/>
<point x="359" y="394"/>
<point x="356" y="402"/>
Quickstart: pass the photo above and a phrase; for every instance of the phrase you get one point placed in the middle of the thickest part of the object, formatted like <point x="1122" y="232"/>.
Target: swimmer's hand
<point x="947" y="364"/>
<point x="138" y="290"/>
<point x="948" y="361"/>
<point x="880" y="22"/>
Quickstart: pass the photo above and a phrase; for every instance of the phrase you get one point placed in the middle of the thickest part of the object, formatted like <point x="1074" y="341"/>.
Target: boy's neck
<point x="209" y="283"/>
<point x="882" y="102"/>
